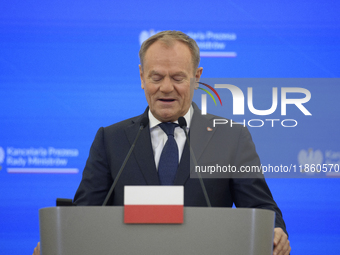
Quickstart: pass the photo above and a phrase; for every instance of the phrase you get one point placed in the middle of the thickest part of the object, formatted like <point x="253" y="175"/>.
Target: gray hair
<point x="168" y="37"/>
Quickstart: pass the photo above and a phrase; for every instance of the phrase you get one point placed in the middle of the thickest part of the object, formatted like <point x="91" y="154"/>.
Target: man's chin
<point x="167" y="117"/>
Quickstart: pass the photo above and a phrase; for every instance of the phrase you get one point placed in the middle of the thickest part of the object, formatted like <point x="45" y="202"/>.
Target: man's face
<point x="166" y="78"/>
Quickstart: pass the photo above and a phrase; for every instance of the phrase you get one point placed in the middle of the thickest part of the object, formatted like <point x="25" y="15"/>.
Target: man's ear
<point x="198" y="76"/>
<point x="141" y="76"/>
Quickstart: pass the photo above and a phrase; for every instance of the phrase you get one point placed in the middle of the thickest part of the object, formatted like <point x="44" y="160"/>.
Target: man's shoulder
<point x="122" y="125"/>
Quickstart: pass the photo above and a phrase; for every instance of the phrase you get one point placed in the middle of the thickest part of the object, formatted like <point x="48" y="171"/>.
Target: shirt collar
<point x="153" y="122"/>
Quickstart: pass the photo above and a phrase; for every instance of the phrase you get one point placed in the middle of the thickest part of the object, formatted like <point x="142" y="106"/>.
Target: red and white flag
<point x="153" y="204"/>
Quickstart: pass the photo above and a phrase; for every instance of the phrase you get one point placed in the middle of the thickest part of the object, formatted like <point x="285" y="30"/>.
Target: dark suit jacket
<point x="223" y="145"/>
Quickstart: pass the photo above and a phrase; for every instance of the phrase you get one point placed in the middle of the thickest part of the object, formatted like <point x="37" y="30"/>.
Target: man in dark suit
<point x="169" y="63"/>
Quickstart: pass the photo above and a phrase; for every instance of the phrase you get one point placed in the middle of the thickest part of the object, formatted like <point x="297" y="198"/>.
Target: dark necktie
<point x="168" y="162"/>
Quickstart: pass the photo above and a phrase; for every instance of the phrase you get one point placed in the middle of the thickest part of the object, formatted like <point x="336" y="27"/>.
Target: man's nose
<point x="166" y="86"/>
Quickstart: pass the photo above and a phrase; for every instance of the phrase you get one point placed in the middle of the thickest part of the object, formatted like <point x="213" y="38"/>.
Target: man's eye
<point x="178" y="78"/>
<point x="156" y="77"/>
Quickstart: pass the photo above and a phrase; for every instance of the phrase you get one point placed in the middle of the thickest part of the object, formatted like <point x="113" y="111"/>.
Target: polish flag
<point x="153" y="204"/>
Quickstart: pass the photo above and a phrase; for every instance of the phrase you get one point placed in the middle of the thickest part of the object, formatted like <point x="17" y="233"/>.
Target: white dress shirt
<point x="159" y="137"/>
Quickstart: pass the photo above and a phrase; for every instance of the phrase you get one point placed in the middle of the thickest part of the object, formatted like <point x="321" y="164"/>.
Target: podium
<point x="89" y="230"/>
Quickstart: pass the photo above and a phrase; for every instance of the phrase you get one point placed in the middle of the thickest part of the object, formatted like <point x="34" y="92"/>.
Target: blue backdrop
<point x="68" y="68"/>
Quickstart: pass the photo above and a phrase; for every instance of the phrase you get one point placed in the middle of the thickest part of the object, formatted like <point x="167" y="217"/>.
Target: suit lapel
<point x="143" y="152"/>
<point x="201" y="132"/>
<point x="199" y="138"/>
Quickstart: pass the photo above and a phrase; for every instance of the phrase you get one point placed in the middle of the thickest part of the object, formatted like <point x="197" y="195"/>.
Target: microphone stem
<point x="122" y="167"/>
<point x="195" y="163"/>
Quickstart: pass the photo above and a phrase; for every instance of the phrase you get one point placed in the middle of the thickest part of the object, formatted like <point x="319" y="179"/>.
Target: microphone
<point x="183" y="124"/>
<point x="143" y="124"/>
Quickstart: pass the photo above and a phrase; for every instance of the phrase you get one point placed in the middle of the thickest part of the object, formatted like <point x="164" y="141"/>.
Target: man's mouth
<point x="166" y="100"/>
